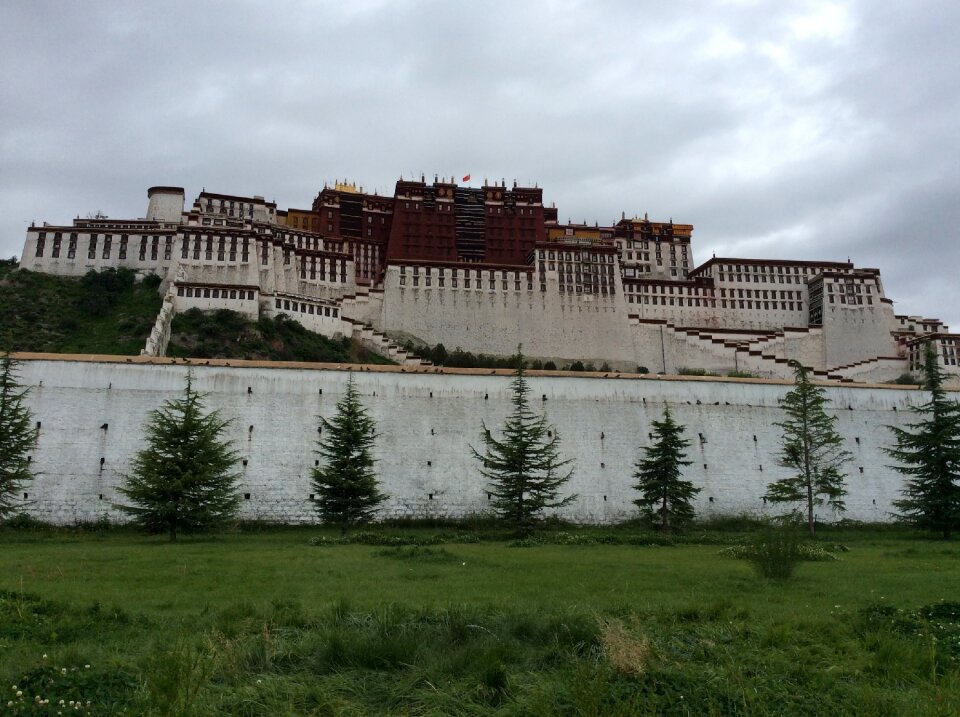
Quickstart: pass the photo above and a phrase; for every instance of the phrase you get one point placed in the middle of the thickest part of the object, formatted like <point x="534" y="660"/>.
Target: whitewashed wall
<point x="92" y="412"/>
<point x="550" y="326"/>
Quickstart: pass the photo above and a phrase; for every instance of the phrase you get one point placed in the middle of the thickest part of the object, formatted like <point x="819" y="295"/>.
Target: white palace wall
<point x="550" y="325"/>
<point x="91" y="413"/>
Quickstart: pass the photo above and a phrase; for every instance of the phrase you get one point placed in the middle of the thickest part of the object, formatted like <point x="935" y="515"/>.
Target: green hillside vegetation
<point x="230" y="335"/>
<point x="99" y="313"/>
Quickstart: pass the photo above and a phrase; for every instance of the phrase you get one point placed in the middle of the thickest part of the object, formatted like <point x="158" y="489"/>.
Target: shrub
<point x="774" y="550"/>
<point x="906" y="379"/>
<point x="549" y="366"/>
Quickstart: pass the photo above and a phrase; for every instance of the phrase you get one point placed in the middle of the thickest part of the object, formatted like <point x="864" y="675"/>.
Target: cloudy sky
<point x="804" y="130"/>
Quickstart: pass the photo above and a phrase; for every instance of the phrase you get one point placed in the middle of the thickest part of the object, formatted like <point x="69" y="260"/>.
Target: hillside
<point x="227" y="334"/>
<point x="105" y="313"/>
<point x="111" y="313"/>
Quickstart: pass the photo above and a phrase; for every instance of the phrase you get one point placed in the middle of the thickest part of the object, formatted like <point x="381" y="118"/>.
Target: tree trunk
<point x="810" y="522"/>
<point x="173" y="532"/>
<point x="344" y="527"/>
<point x="663" y="514"/>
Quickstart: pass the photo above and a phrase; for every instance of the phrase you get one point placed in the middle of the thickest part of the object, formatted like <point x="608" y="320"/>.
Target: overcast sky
<point x="795" y="130"/>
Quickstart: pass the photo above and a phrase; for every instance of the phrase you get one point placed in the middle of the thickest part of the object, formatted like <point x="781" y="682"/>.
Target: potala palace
<point x="489" y="268"/>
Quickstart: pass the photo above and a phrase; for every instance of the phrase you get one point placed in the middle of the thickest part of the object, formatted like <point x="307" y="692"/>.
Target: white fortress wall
<point x="92" y="413"/>
<point x="856" y="333"/>
<point x="480" y="319"/>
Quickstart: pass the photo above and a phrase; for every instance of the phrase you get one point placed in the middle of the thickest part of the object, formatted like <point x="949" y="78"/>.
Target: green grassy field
<point x="263" y="622"/>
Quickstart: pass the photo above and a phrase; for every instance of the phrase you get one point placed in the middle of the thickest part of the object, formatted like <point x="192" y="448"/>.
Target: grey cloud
<point x="801" y="129"/>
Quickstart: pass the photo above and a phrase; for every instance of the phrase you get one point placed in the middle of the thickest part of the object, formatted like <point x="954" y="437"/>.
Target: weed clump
<point x="776" y="549"/>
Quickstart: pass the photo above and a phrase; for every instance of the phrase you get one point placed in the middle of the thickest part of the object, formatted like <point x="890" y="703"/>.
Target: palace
<point x="489" y="268"/>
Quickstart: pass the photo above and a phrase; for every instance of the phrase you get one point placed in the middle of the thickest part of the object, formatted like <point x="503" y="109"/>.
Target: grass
<point x="262" y="622"/>
<point x="228" y="334"/>
<point x="67" y="315"/>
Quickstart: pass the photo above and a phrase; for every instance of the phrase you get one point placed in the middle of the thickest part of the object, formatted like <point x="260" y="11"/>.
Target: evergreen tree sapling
<point x="347" y="490"/>
<point x="664" y="496"/>
<point x="184" y="479"/>
<point x="524" y="467"/>
<point x="928" y="453"/>
<point x="811" y="448"/>
<point x="17" y="437"/>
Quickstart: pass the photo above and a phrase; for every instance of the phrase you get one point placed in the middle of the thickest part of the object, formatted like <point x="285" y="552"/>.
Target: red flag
<point x="466" y="178"/>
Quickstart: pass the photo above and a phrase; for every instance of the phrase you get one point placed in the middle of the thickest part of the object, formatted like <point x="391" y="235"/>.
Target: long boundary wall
<point x="91" y="411"/>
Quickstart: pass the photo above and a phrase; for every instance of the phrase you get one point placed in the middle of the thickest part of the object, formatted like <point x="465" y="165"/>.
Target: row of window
<point x="763" y="278"/>
<point x="303" y="307"/>
<point x="853" y="299"/>
<point x="477" y="283"/>
<point x="585" y="289"/>
<point x="309" y="265"/>
<point x="763" y="269"/>
<point x="760" y="294"/>
<point x="587" y="256"/>
<point x="455" y="273"/>
<point x="667" y="289"/>
<point x="214" y="293"/>
<point x="107" y="247"/>
<point x="645" y="244"/>
<point x="671" y="301"/>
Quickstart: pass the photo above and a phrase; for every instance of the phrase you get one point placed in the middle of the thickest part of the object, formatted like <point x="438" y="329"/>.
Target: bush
<point x="642" y="369"/>
<point x="549" y="366"/>
<point x="906" y="379"/>
<point x="102" y="290"/>
<point x="774" y="551"/>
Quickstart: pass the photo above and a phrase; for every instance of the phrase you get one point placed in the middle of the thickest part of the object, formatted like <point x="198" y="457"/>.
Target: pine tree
<point x="17" y="437"/>
<point x="524" y="468"/>
<point x="929" y="453"/>
<point x="347" y="490"/>
<point x="184" y="479"/>
<point x="665" y="496"/>
<point x="812" y="448"/>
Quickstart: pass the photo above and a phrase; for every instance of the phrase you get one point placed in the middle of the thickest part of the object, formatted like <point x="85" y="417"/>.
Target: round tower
<point x="166" y="204"/>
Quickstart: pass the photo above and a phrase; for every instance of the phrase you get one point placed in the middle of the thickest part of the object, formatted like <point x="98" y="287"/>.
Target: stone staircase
<point x="363" y="305"/>
<point x="380" y="343"/>
<point x="763" y="353"/>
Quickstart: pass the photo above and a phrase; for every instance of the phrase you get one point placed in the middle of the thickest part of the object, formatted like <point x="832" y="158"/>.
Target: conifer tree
<point x="928" y="452"/>
<point x="347" y="490"/>
<point x="811" y="448"/>
<point x="17" y="437"/>
<point x="524" y="468"/>
<point x="184" y="479"/>
<point x="665" y="496"/>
